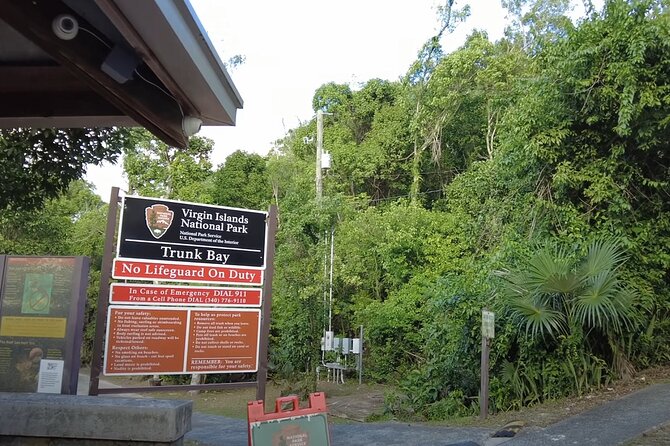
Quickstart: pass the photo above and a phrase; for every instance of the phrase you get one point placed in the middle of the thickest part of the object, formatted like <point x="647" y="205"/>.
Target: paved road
<point x="610" y="424"/>
<point x="212" y="430"/>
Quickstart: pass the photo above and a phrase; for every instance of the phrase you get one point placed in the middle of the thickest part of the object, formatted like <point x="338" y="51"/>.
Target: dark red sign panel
<point x="146" y="270"/>
<point x="223" y="341"/>
<point x="145" y="341"/>
<point x="149" y="340"/>
<point x="172" y="295"/>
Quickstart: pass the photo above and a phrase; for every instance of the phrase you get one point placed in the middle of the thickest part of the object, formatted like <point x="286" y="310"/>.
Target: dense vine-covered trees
<point x="554" y="135"/>
<point x="154" y="169"/>
<point x="242" y="182"/>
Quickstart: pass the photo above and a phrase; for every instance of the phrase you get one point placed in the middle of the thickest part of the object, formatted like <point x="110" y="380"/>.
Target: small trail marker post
<point x="488" y="333"/>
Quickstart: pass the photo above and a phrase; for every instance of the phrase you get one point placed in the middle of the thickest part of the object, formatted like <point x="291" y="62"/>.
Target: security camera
<point x="65" y="26"/>
<point x="191" y="125"/>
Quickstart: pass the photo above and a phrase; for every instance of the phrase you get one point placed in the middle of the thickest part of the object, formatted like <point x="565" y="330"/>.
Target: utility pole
<point x="319" y="154"/>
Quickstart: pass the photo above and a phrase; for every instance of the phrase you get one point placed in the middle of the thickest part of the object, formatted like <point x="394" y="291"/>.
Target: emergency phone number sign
<point x="143" y="294"/>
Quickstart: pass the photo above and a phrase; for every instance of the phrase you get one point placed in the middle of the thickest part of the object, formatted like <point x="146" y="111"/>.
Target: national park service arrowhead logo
<point x="159" y="218"/>
<point x="291" y="435"/>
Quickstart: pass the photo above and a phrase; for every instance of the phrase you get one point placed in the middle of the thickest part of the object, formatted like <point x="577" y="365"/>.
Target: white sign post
<point x="488" y="324"/>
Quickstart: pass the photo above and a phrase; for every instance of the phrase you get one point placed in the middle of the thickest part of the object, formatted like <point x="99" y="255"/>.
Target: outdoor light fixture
<point x="191" y="125"/>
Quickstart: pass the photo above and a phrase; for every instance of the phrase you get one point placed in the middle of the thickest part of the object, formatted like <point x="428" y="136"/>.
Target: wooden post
<point x="484" y="391"/>
<point x="103" y="295"/>
<point x="267" y="304"/>
<point x="360" y="358"/>
<point x="488" y="333"/>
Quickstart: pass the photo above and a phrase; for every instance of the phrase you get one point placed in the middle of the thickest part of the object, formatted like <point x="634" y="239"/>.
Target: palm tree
<point x="558" y="294"/>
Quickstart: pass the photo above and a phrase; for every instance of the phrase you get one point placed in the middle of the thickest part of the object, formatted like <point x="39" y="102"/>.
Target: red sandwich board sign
<point x="294" y="426"/>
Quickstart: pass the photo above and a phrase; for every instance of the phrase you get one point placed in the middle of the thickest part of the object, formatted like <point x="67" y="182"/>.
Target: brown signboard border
<point x="103" y="303"/>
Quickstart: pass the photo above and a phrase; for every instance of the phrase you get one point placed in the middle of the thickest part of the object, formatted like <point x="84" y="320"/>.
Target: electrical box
<point x="329" y="341"/>
<point x="325" y="160"/>
<point x="337" y="344"/>
<point x="346" y="346"/>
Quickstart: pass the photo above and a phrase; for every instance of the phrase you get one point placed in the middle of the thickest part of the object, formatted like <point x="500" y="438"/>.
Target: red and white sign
<point x="142" y="294"/>
<point x="174" y="272"/>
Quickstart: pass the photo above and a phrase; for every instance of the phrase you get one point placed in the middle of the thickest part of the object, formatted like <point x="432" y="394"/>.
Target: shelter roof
<point x="88" y="63"/>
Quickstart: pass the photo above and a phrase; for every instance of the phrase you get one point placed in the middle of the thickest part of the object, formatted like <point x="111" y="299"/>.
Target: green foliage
<point x="52" y="229"/>
<point x="499" y="156"/>
<point x="156" y="170"/>
<point x="552" y="294"/>
<point x="393" y="332"/>
<point x="37" y="165"/>
<point x="242" y="181"/>
<point x="576" y="310"/>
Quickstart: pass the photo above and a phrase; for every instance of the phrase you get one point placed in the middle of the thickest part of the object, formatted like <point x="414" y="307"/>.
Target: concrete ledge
<point x="94" y="418"/>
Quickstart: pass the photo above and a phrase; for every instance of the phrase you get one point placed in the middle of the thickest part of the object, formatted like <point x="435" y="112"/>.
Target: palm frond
<point x="603" y="303"/>
<point x="603" y="255"/>
<point x="538" y="317"/>
<point x="551" y="272"/>
<point x="514" y="284"/>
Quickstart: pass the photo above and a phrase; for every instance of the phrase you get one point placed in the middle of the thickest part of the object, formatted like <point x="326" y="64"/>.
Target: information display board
<point x="42" y="302"/>
<point x="177" y="340"/>
<point x="176" y="231"/>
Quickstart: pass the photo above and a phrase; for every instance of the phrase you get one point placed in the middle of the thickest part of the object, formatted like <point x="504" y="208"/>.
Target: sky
<point x="292" y="47"/>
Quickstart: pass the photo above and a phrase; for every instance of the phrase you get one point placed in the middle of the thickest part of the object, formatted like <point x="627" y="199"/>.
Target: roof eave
<point x="178" y="42"/>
